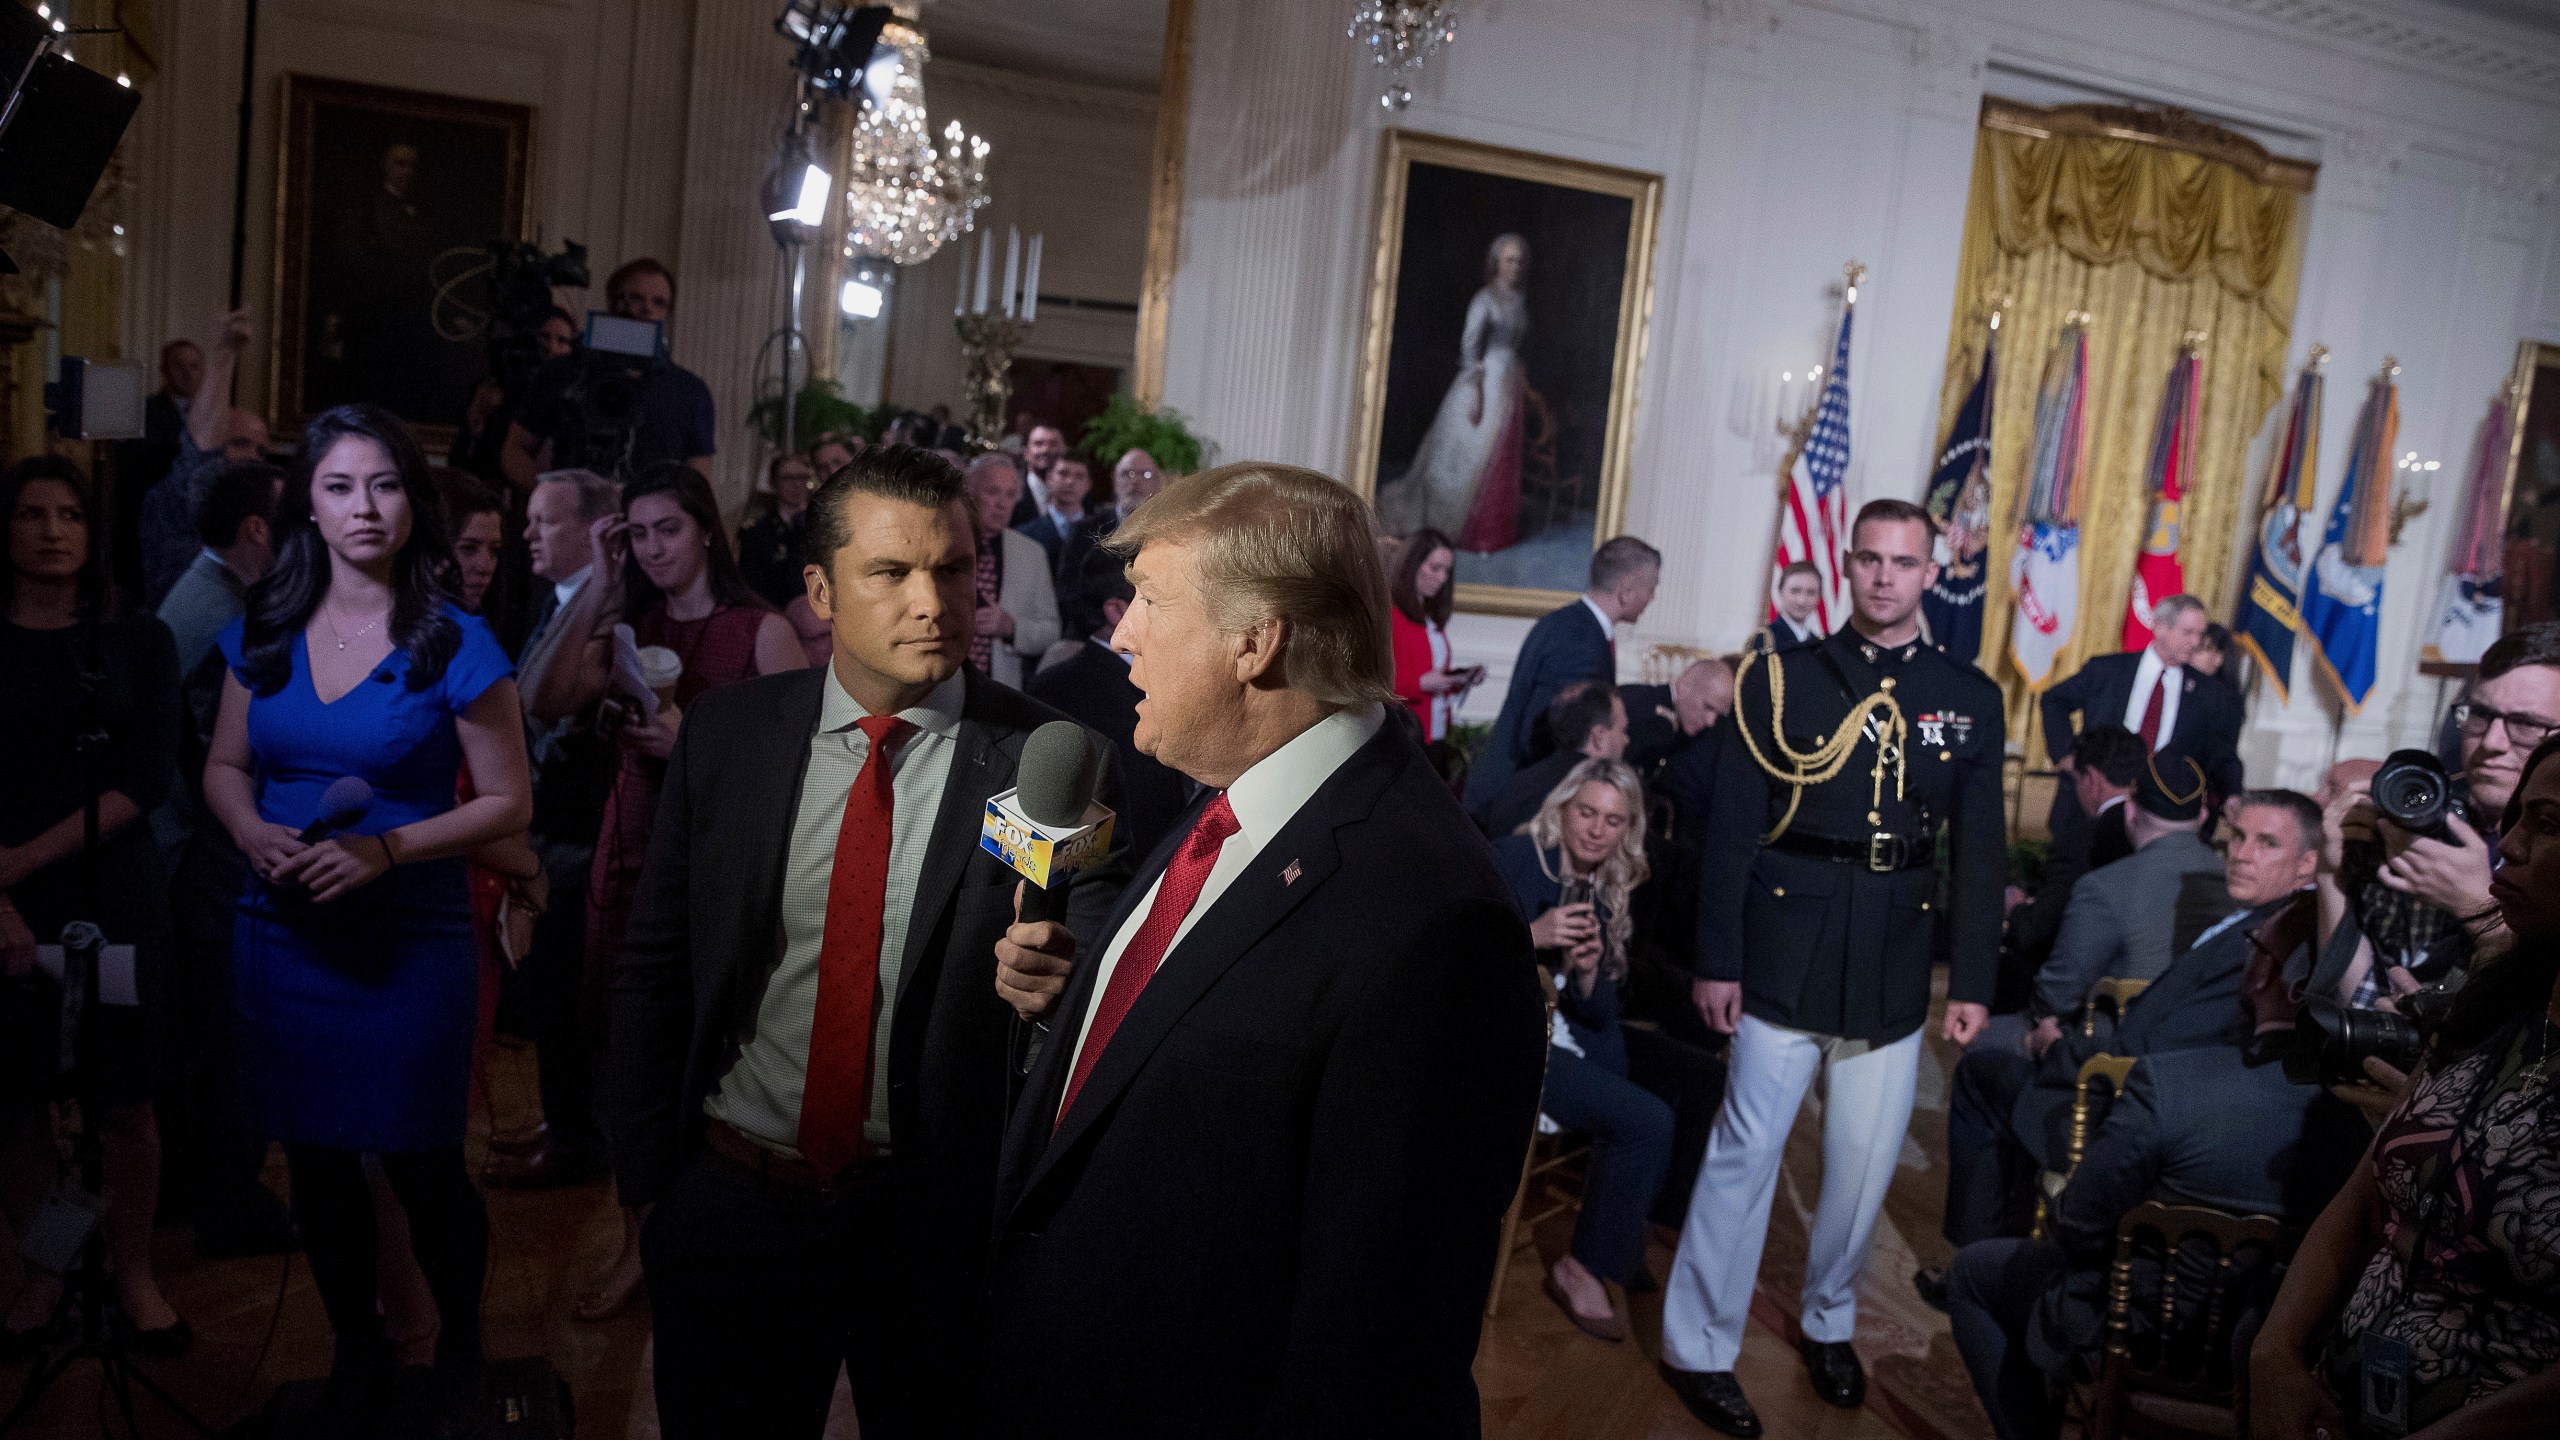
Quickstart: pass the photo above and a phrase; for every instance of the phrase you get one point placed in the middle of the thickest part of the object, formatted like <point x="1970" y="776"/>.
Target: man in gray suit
<point x="2122" y="920"/>
<point x="1017" y="601"/>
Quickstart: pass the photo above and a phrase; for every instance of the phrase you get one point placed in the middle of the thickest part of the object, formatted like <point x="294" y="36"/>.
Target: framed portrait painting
<point x="385" y="203"/>
<point x="1508" y="298"/>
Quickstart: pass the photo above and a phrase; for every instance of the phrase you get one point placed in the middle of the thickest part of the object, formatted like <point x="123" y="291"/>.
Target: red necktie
<point x="2151" y="712"/>
<point x="1174" y="899"/>
<point x="836" y="1097"/>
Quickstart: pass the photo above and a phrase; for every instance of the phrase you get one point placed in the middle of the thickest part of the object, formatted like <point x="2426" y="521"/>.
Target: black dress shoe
<point x="1932" y="1285"/>
<point x="1716" y="1398"/>
<point x="1837" y="1375"/>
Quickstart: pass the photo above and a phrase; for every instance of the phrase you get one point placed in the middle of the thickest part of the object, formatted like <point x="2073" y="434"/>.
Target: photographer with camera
<point x="2421" y="1302"/>
<point x="610" y="411"/>
<point x="2408" y="852"/>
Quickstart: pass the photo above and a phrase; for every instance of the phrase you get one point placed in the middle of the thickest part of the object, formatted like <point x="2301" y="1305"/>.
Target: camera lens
<point x="2413" y="791"/>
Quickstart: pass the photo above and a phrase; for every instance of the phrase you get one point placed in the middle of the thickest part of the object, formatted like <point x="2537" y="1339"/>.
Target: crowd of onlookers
<point x="508" y="658"/>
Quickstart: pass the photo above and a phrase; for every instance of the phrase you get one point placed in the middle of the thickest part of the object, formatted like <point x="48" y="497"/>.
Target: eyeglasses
<point x="2526" y="731"/>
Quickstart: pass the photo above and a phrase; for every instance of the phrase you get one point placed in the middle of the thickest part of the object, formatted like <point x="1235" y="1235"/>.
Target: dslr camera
<point x="2331" y="1041"/>
<point x="2414" y="791"/>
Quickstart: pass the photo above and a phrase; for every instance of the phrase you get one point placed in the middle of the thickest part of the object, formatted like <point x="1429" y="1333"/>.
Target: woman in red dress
<point x="665" y="569"/>
<point x="1426" y="681"/>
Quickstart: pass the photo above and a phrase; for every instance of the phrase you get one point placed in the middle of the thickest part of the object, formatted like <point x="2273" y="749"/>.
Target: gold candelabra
<point x="987" y="343"/>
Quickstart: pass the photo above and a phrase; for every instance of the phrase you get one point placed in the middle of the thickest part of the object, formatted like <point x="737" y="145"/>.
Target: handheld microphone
<point x="1048" y="827"/>
<point x="345" y="803"/>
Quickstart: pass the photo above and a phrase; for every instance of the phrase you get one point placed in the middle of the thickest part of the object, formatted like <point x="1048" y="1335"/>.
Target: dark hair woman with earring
<point x="357" y="980"/>
<point x="2425" y="1300"/>
<point x="56" y="603"/>
<point x="663" y="567"/>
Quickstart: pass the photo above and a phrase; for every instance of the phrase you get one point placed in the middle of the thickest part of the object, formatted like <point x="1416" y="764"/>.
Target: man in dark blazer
<point x="1999" y="1111"/>
<point x="1566" y="646"/>
<point x="1589" y="723"/>
<point x="822" y="990"/>
<point x="1091" y="686"/>
<point x="2154" y="694"/>
<point x="2105" y="758"/>
<point x="1254" y="1185"/>
<point x="2193" y="1127"/>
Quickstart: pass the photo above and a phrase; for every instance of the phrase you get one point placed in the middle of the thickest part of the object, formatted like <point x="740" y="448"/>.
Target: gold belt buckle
<point x="1880" y="853"/>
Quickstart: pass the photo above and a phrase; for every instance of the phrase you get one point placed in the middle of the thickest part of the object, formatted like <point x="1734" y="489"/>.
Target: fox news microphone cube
<point x="1037" y="853"/>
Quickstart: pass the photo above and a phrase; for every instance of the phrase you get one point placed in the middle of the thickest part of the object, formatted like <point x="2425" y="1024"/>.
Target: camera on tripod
<point x="616" y="361"/>
<point x="521" y="279"/>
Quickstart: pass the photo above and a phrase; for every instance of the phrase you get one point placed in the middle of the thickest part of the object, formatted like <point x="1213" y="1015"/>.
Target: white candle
<point x="1012" y="269"/>
<point x="960" y="302"/>
<point x="1031" y="284"/>
<point x="986" y="259"/>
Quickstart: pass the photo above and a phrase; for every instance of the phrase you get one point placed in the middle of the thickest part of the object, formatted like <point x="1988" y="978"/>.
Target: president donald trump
<point x="1254" y="1183"/>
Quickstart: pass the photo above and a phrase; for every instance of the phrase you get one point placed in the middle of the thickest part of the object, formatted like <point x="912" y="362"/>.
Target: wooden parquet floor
<point x="1540" y="1378"/>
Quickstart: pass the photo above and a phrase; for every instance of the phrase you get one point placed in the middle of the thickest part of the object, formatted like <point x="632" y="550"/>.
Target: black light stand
<point x="87" y="1287"/>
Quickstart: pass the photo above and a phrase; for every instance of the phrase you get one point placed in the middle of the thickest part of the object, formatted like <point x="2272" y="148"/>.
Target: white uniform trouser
<point x="1866" y="1109"/>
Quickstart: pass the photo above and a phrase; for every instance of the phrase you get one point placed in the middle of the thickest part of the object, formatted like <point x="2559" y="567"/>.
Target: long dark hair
<point x="2516" y="983"/>
<point x="684" y="485"/>
<point x="95" y="600"/>
<point x="280" y="604"/>
<point x="1406" y="591"/>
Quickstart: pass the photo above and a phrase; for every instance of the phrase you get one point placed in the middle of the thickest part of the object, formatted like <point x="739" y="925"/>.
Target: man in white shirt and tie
<point x="1256" y="1181"/>
<point x="2154" y="694"/>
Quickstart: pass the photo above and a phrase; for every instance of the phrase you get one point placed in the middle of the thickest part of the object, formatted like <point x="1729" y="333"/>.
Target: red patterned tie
<point x="2151" y="712"/>
<point x="836" y="1097"/>
<point x="1174" y="899"/>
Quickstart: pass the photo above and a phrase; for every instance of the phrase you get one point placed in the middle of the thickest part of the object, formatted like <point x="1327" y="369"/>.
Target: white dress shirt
<point x="1608" y="627"/>
<point x="1265" y="799"/>
<point x="1443" y="705"/>
<point x="2145" y="675"/>
<point x="760" y="1096"/>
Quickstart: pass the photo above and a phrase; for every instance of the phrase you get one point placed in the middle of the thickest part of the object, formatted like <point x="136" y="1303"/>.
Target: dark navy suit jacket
<point x="1565" y="646"/>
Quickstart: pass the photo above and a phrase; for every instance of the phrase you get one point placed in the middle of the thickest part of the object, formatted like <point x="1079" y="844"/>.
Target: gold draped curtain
<point x="2156" y="226"/>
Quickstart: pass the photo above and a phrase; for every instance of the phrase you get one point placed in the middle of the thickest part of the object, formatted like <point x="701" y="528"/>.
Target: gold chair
<point x="2113" y="1069"/>
<point x="1543" y="1193"/>
<point x="1664" y="661"/>
<point x="2182" y="1389"/>
<point x="2113" y="993"/>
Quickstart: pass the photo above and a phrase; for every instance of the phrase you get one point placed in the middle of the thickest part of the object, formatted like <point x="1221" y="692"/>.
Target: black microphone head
<point x="345" y="802"/>
<point x="1057" y="775"/>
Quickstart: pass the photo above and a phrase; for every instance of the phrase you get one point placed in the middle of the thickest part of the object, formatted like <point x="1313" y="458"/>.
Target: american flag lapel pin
<point x="1290" y="872"/>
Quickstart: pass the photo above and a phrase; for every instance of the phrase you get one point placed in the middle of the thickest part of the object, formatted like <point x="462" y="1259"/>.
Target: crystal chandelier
<point x="904" y="194"/>
<point x="1400" y="35"/>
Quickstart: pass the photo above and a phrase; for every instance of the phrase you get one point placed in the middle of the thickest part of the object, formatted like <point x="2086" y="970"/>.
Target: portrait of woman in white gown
<point x="1465" y="476"/>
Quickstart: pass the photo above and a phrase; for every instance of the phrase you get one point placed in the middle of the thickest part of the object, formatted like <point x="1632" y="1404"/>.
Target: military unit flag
<point x="2342" y="593"/>
<point x="2044" y="577"/>
<point x="2158" y="573"/>
<point x="2271" y="601"/>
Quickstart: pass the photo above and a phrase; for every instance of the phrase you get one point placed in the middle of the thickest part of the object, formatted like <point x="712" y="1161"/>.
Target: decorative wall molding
<point x="1947" y="61"/>
<point x="1060" y="95"/>
<point x="2362" y="166"/>
<point x="2516" y="63"/>
<point x="1743" y="25"/>
<point x="2517" y="194"/>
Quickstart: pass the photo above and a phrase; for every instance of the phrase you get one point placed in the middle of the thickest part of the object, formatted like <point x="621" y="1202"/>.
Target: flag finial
<point x="2192" y="342"/>
<point x="2390" y="367"/>
<point x="2319" y="356"/>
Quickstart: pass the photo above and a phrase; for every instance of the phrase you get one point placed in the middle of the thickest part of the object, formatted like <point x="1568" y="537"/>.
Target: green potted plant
<point x="1164" y="433"/>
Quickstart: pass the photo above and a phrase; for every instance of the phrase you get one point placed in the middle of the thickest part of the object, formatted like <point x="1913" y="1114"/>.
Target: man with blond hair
<point x="1254" y="1182"/>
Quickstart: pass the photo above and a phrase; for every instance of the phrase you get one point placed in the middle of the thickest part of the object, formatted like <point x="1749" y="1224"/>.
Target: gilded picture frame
<point x="380" y="257"/>
<point x="2530" y="508"/>
<point x="1508" y="299"/>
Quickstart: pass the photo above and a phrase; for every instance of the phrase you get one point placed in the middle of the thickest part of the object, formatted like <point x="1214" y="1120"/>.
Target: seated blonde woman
<point x="1572" y="870"/>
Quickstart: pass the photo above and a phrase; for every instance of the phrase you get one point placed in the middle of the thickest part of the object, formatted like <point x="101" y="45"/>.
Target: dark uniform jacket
<point x="1838" y="948"/>
<point x="1568" y="644"/>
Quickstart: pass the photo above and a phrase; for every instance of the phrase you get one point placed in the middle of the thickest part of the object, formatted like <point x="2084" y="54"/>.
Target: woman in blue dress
<point x="357" y="975"/>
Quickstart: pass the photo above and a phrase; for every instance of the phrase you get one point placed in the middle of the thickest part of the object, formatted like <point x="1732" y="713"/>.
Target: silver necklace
<point x="341" y="637"/>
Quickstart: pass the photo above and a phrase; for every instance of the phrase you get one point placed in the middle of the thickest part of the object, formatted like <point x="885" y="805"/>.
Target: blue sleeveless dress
<point x="357" y="1016"/>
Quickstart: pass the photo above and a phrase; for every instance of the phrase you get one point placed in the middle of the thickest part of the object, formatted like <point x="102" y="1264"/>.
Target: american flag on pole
<point x="1813" y="524"/>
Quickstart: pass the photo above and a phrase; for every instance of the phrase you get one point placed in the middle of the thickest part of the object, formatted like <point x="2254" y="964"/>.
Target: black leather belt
<point x="788" y="1171"/>
<point x="1882" y="853"/>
